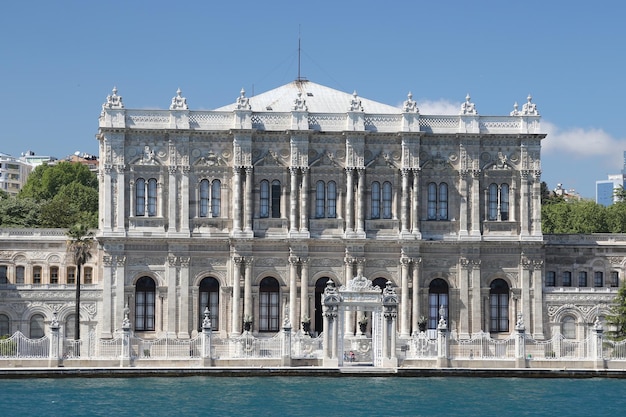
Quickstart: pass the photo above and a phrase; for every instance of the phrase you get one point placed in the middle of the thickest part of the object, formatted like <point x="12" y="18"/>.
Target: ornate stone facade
<point x="250" y="209"/>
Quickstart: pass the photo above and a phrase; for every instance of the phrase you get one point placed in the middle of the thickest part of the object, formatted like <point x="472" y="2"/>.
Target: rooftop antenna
<point x="299" y="54"/>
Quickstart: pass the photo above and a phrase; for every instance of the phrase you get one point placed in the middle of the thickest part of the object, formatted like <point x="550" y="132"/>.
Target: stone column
<point x="524" y="204"/>
<point x="247" y="287"/>
<point x="442" y="342"/>
<point x="304" y="202"/>
<point x="304" y="288"/>
<point x="293" y="200"/>
<point x="536" y="204"/>
<point x="236" y="315"/>
<point x="415" y="220"/>
<point x="184" y="322"/>
<point x="286" y="348"/>
<point x="475" y="187"/>
<point x="360" y="226"/>
<point x="121" y="200"/>
<point x="476" y="303"/>
<point x="349" y="199"/>
<point x="171" y="295"/>
<point x="463" y="212"/>
<point x="133" y="198"/>
<point x="54" y="353"/>
<point x="525" y="280"/>
<point x="537" y="285"/>
<point x="236" y="200"/>
<point x="293" y="290"/>
<point x="417" y="263"/>
<point x="172" y="193"/>
<point x="520" y="343"/>
<point x="107" y="293"/>
<point x="107" y="203"/>
<point x="125" y="358"/>
<point x="184" y="210"/>
<point x="349" y="315"/>
<point x="465" y="281"/>
<point x="597" y="351"/>
<point x="120" y="283"/>
<point x="405" y="261"/>
<point x="248" y="200"/>
<point x="404" y="204"/>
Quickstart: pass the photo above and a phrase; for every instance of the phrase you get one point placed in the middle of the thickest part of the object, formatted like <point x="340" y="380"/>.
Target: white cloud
<point x="441" y="106"/>
<point x="582" y="143"/>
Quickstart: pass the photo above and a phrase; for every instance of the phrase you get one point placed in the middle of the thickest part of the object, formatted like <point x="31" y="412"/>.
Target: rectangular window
<point x="3" y="274"/>
<point x="268" y="311"/>
<point x="87" y="275"/>
<point x="19" y="275"/>
<point x="36" y="275"/>
<point x="71" y="275"/>
<point x="582" y="278"/>
<point x="614" y="279"/>
<point x="598" y="279"/>
<point x="54" y="275"/>
<point x="550" y="278"/>
<point x="567" y="278"/>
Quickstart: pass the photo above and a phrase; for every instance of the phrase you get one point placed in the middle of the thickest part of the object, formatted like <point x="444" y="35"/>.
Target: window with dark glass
<point x="87" y="275"/>
<point x="3" y="274"/>
<point x="437" y="207"/>
<point x="270" y="199"/>
<point x="54" y="275"/>
<point x="550" y="278"/>
<point x="437" y="298"/>
<point x="70" y="326"/>
<point x="568" y="327"/>
<point x="71" y="275"/>
<point x="36" y="275"/>
<point x="331" y="199"/>
<point x="145" y="291"/>
<point x="19" y="274"/>
<point x="210" y="198"/>
<point x="598" y="279"/>
<point x="37" y="327"/>
<point x="504" y="202"/>
<point x="375" y="200"/>
<point x="499" y="306"/>
<point x="5" y="325"/>
<point x="614" y="279"/>
<point x="216" y="198"/>
<point x="320" y="200"/>
<point x="269" y="305"/>
<point x="582" y="278"/>
<point x="209" y="297"/>
<point x="152" y="197"/>
<point x="498" y="202"/>
<point x="140" y="197"/>
<point x="566" y="277"/>
<point x="264" y="205"/>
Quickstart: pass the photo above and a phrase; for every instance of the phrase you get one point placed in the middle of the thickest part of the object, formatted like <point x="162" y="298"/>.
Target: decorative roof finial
<point x="410" y="106"/>
<point x="113" y="101"/>
<point x="530" y="108"/>
<point x="355" y="103"/>
<point x="468" y="107"/>
<point x="515" y="111"/>
<point x="179" y="102"/>
<point x="243" y="102"/>
<point x="299" y="104"/>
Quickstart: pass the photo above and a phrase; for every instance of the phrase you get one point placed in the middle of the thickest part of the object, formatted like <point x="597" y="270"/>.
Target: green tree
<point x="617" y="318"/>
<point x="79" y="246"/>
<point x="22" y="212"/>
<point x="616" y="217"/>
<point x="47" y="180"/>
<point x="574" y="217"/>
<point x="620" y="194"/>
<point x="74" y="203"/>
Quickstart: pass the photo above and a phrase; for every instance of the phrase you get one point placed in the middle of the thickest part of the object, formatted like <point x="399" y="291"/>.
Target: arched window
<point x="437" y="298"/>
<point x="387" y="198"/>
<point x="5" y="325"/>
<point x="320" y="286"/>
<point x="204" y="198"/>
<point x="499" y="306"/>
<point x="19" y="274"/>
<point x="598" y="279"/>
<point x="320" y="200"/>
<point x="375" y="200"/>
<point x="443" y="201"/>
<point x="437" y="201"/>
<point x="566" y="277"/>
<point x="37" y="329"/>
<point x="493" y="202"/>
<point x="216" y="198"/>
<point x="269" y="305"/>
<point x="504" y="202"/>
<point x="582" y="278"/>
<point x="331" y="199"/>
<point x="432" y="201"/>
<point x="152" y="197"/>
<point x="70" y="326"/>
<point x="145" y="292"/>
<point x="381" y="282"/>
<point x="210" y="196"/>
<point x="568" y="327"/>
<point x="54" y="275"/>
<point x="209" y="297"/>
<point x="140" y="197"/>
<point x="270" y="199"/>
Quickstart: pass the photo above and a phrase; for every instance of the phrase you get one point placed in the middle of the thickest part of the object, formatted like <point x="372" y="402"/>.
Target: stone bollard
<point x="54" y="357"/>
<point x="442" y="342"/>
<point x="520" y="343"/>
<point x="125" y="357"/>
<point x="207" y="336"/>
<point x="286" y="348"/>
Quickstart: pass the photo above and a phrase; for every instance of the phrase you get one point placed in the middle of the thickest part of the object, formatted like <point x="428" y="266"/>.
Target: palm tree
<point x="79" y="246"/>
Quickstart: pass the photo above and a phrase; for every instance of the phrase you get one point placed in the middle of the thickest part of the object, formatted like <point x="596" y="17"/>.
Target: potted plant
<point x="363" y="323"/>
<point x="422" y="322"/>
<point x="306" y="324"/>
<point x="247" y="323"/>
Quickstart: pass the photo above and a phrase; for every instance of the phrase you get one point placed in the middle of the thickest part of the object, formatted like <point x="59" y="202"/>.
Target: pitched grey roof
<point x="319" y="99"/>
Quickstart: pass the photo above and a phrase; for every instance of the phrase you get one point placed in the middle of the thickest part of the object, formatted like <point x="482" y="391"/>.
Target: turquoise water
<point x="312" y="396"/>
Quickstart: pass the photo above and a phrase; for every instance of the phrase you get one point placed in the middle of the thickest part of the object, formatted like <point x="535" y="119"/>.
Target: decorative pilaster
<point x="475" y="187"/>
<point x="121" y="199"/>
<point x="237" y="206"/>
<point x="294" y="261"/>
<point x="415" y="220"/>
<point x="248" y="201"/>
<point x="247" y="287"/>
<point x="405" y="262"/>
<point x="304" y="288"/>
<point x="293" y="200"/>
<point x="463" y="176"/>
<point x="185" y="198"/>
<point x="349" y="199"/>
<point x="524" y="203"/>
<point x="415" y="312"/>
<point x="184" y="322"/>
<point x="172" y="188"/>
<point x="236" y="314"/>
<point x="171" y="273"/>
<point x="360" y="226"/>
<point x="107" y="291"/>
<point x="404" y="204"/>
<point x="304" y="202"/>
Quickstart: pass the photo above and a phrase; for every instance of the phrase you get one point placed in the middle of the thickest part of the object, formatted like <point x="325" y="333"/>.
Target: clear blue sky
<point x="60" y="59"/>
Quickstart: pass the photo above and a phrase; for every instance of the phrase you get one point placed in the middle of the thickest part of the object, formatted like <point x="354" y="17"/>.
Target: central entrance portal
<point x="360" y="302"/>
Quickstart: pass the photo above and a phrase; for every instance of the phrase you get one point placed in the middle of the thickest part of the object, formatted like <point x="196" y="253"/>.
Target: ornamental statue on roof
<point x="299" y="104"/>
<point x="468" y="107"/>
<point x="243" y="102"/>
<point x="530" y="108"/>
<point x="179" y="102"/>
<point x="113" y="101"/>
<point x="355" y="103"/>
<point x="410" y="106"/>
<point x="515" y="111"/>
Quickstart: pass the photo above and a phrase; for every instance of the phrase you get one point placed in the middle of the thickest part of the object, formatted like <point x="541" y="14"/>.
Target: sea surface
<point x="312" y="396"/>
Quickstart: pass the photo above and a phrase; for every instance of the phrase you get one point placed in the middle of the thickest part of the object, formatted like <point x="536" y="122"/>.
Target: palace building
<point x="251" y="209"/>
